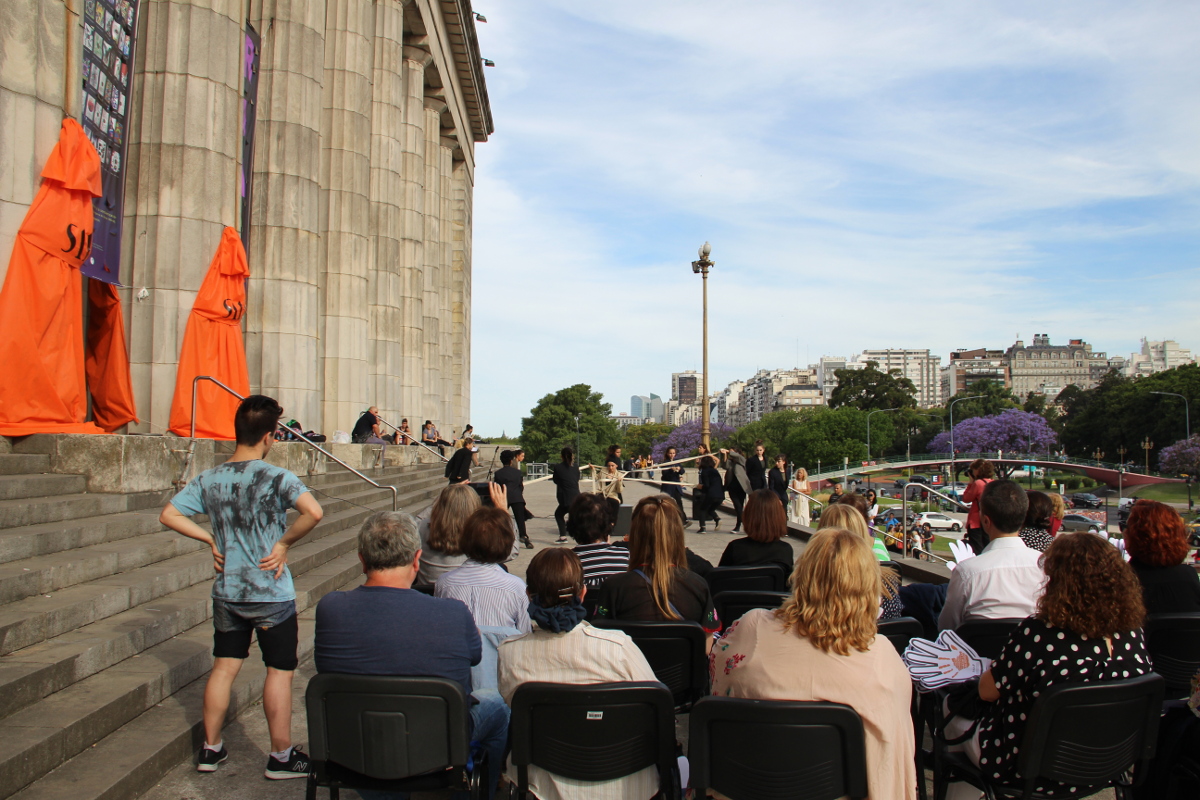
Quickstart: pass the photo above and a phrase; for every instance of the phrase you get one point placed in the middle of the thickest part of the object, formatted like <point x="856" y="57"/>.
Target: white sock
<point x="214" y="747"/>
<point x="283" y="755"/>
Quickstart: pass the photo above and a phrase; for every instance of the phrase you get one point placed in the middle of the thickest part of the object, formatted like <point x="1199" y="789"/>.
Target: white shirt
<point x="1004" y="581"/>
<point x="493" y="596"/>
<point x="583" y="655"/>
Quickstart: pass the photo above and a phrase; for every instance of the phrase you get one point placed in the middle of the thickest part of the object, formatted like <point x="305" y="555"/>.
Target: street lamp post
<point x="1147" y="445"/>
<point x="701" y="268"/>
<point x="953" y="471"/>
<point x="1121" y="451"/>
<point x="578" y="455"/>
<point x="1187" y="412"/>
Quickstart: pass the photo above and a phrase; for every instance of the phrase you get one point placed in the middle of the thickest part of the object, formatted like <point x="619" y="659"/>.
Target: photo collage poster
<point x="109" y="29"/>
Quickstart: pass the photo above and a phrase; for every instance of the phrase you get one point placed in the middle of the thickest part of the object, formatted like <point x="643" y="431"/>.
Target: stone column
<point x="412" y="246"/>
<point x="431" y="318"/>
<point x="346" y="210"/>
<point x="182" y="181"/>
<point x="449" y="145"/>
<point x="460" y="287"/>
<point x="287" y="257"/>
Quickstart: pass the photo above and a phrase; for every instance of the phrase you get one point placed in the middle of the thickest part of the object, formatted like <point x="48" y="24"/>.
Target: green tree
<point x="869" y="388"/>
<point x="1036" y="404"/>
<point x="772" y="429"/>
<point x="639" y="439"/>
<point x="829" y="435"/>
<point x="550" y="425"/>
<point x="996" y="398"/>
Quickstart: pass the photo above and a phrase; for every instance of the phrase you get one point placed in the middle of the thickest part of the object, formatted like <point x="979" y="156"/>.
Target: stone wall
<point x="367" y="117"/>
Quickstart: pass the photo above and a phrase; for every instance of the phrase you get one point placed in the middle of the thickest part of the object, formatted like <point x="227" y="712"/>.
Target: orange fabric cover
<point x="41" y="305"/>
<point x="212" y="345"/>
<point x="107" y="363"/>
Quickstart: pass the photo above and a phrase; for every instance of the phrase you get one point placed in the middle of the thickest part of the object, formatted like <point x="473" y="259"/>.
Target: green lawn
<point x="1165" y="492"/>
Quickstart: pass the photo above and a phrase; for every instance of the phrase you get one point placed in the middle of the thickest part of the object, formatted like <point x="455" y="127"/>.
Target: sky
<point x="938" y="175"/>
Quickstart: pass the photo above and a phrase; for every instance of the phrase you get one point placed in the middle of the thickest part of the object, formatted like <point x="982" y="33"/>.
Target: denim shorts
<point x="275" y="625"/>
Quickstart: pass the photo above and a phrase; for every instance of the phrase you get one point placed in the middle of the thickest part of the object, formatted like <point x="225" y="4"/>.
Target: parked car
<point x="1076" y="523"/>
<point x="1085" y="500"/>
<point x="900" y="483"/>
<point x="933" y="521"/>
<point x="919" y="479"/>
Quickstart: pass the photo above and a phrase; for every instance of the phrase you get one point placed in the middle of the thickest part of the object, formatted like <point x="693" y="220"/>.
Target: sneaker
<point x="208" y="759"/>
<point x="295" y="767"/>
<point x="717" y="524"/>
<point x="561" y="540"/>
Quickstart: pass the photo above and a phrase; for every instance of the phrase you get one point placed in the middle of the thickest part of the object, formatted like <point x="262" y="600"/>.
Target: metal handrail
<point x="298" y="434"/>
<point x="943" y="457"/>
<point x="414" y="439"/>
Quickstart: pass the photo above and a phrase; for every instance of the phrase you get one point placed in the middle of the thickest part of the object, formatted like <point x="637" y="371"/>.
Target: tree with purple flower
<point x="1011" y="430"/>
<point x="1181" y="458"/>
<point x="686" y="439"/>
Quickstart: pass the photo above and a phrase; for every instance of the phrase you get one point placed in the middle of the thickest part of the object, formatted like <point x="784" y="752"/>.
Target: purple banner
<point x="249" y="115"/>
<point x="109" y="31"/>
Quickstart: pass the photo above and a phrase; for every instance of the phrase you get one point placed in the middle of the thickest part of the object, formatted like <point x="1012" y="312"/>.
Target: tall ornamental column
<point x="412" y="246"/>
<point x="346" y="211"/>
<point x="431" y="318"/>
<point x="449" y="145"/>
<point x="181" y="188"/>
<point x="460" y="282"/>
<point x="385" y="302"/>
<point x="287" y="257"/>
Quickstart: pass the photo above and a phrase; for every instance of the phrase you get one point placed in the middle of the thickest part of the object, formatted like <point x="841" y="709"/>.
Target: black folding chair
<point x="425" y="588"/>
<point x="901" y="631"/>
<point x="675" y="651"/>
<point x="731" y="605"/>
<point x="390" y="734"/>
<point x="776" y="750"/>
<point x="1173" y="641"/>
<point x="765" y="578"/>
<point x="987" y="637"/>
<point x="1084" y="734"/>
<point x="594" y="732"/>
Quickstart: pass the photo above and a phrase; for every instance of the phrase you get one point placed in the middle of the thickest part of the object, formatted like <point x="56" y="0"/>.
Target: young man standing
<point x="509" y="476"/>
<point x="247" y="500"/>
<point x="565" y="477"/>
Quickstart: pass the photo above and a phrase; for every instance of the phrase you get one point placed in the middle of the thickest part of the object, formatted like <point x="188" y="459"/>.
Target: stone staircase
<point x="105" y="642"/>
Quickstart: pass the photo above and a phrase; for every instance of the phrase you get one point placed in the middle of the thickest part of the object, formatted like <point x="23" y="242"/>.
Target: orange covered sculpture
<point x="213" y="346"/>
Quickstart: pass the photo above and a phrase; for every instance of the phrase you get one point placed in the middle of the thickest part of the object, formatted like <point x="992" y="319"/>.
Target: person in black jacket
<point x="509" y="476"/>
<point x="565" y="476"/>
<point x="672" y="483"/>
<point x="458" y="468"/>
<point x="766" y="525"/>
<point x="756" y="468"/>
<point x="711" y="490"/>
<point x="736" y="482"/>
<point x="777" y="480"/>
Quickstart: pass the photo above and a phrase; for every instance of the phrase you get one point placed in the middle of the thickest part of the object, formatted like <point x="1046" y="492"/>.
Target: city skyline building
<point x="919" y="366"/>
<point x="1047" y="369"/>
<point x="968" y="367"/>
<point x="685" y="386"/>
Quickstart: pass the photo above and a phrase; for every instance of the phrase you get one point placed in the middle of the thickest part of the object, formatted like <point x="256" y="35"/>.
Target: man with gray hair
<point x="385" y="627"/>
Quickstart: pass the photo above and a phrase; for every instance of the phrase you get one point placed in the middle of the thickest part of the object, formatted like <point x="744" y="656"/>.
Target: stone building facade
<point x="1044" y="368"/>
<point x="368" y="113"/>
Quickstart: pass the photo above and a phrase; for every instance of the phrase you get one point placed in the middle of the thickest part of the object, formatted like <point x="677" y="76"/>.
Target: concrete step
<point x="37" y="510"/>
<point x="21" y="464"/>
<point x="18" y="487"/>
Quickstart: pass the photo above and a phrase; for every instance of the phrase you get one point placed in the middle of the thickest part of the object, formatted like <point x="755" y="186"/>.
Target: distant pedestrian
<point x="737" y="483"/>
<point x="802" y="489"/>
<point x="565" y="476"/>
<point x="672" y="482"/>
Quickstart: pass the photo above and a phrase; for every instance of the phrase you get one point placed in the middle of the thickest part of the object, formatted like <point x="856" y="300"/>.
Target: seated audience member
<point x="495" y="597"/>
<point x="441" y="532"/>
<point x="1036" y="531"/>
<point x="766" y="525"/>
<point x="1156" y="540"/>
<point x="385" y="628"/>
<point x="1005" y="580"/>
<point x="563" y="648"/>
<point x="822" y="645"/>
<point x="1087" y="627"/>
<point x="589" y="521"/>
<point x="846" y="516"/>
<point x="658" y="585"/>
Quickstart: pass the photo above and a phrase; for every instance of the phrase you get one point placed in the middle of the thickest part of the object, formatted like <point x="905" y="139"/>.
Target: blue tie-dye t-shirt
<point x="247" y="504"/>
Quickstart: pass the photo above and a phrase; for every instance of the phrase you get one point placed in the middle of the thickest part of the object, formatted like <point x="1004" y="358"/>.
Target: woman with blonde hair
<point x="822" y="645"/>
<point x="658" y="585"/>
<point x="800" y="492"/>
<point x="1060" y="511"/>
<point x="846" y="517"/>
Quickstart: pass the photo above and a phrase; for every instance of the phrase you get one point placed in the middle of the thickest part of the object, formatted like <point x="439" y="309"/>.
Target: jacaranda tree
<point x="1181" y="458"/>
<point x="1013" y="430"/>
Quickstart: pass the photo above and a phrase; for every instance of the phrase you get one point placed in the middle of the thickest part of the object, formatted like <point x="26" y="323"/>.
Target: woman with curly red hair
<point x="1087" y="628"/>
<point x="1156" y="540"/>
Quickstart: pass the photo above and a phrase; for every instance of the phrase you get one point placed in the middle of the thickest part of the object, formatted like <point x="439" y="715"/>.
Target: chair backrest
<point x="765" y="578"/>
<point x="901" y="631"/>
<point x="593" y="732"/>
<point x="386" y="727"/>
<point x="776" y="750"/>
<point x="731" y="605"/>
<point x="424" y="588"/>
<point x="624" y="521"/>
<point x="987" y="637"/>
<point x="1088" y="734"/>
<point x="1173" y="641"/>
<point x="674" y="650"/>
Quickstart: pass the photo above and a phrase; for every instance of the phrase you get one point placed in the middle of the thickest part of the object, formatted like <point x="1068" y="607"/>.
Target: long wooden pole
<point x="704" y="412"/>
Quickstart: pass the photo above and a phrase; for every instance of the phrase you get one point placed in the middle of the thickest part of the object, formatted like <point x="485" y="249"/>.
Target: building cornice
<point x="464" y="45"/>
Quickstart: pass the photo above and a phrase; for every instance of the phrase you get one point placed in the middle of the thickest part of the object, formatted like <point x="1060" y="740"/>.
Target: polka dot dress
<point x="1036" y="538"/>
<point x="1035" y="658"/>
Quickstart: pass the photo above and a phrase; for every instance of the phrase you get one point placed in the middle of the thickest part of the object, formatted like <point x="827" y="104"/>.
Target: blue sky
<point x="869" y="174"/>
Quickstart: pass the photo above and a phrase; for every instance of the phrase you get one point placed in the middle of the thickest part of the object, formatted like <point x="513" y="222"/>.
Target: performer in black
<point x="458" y="468"/>
<point x="509" y="476"/>
<point x="565" y="476"/>
<point x="672" y="483"/>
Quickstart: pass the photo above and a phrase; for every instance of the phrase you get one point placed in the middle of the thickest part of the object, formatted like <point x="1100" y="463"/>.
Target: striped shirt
<point x="601" y="560"/>
<point x="493" y="596"/>
<point x="582" y="655"/>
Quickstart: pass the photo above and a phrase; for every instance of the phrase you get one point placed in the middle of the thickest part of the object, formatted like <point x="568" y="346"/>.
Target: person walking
<point x="672" y="483"/>
<point x="700" y="508"/>
<point x="509" y="476"/>
<point x="737" y="483"/>
<point x="710" y="491"/>
<point x="565" y="476"/>
<point x="801" y="488"/>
